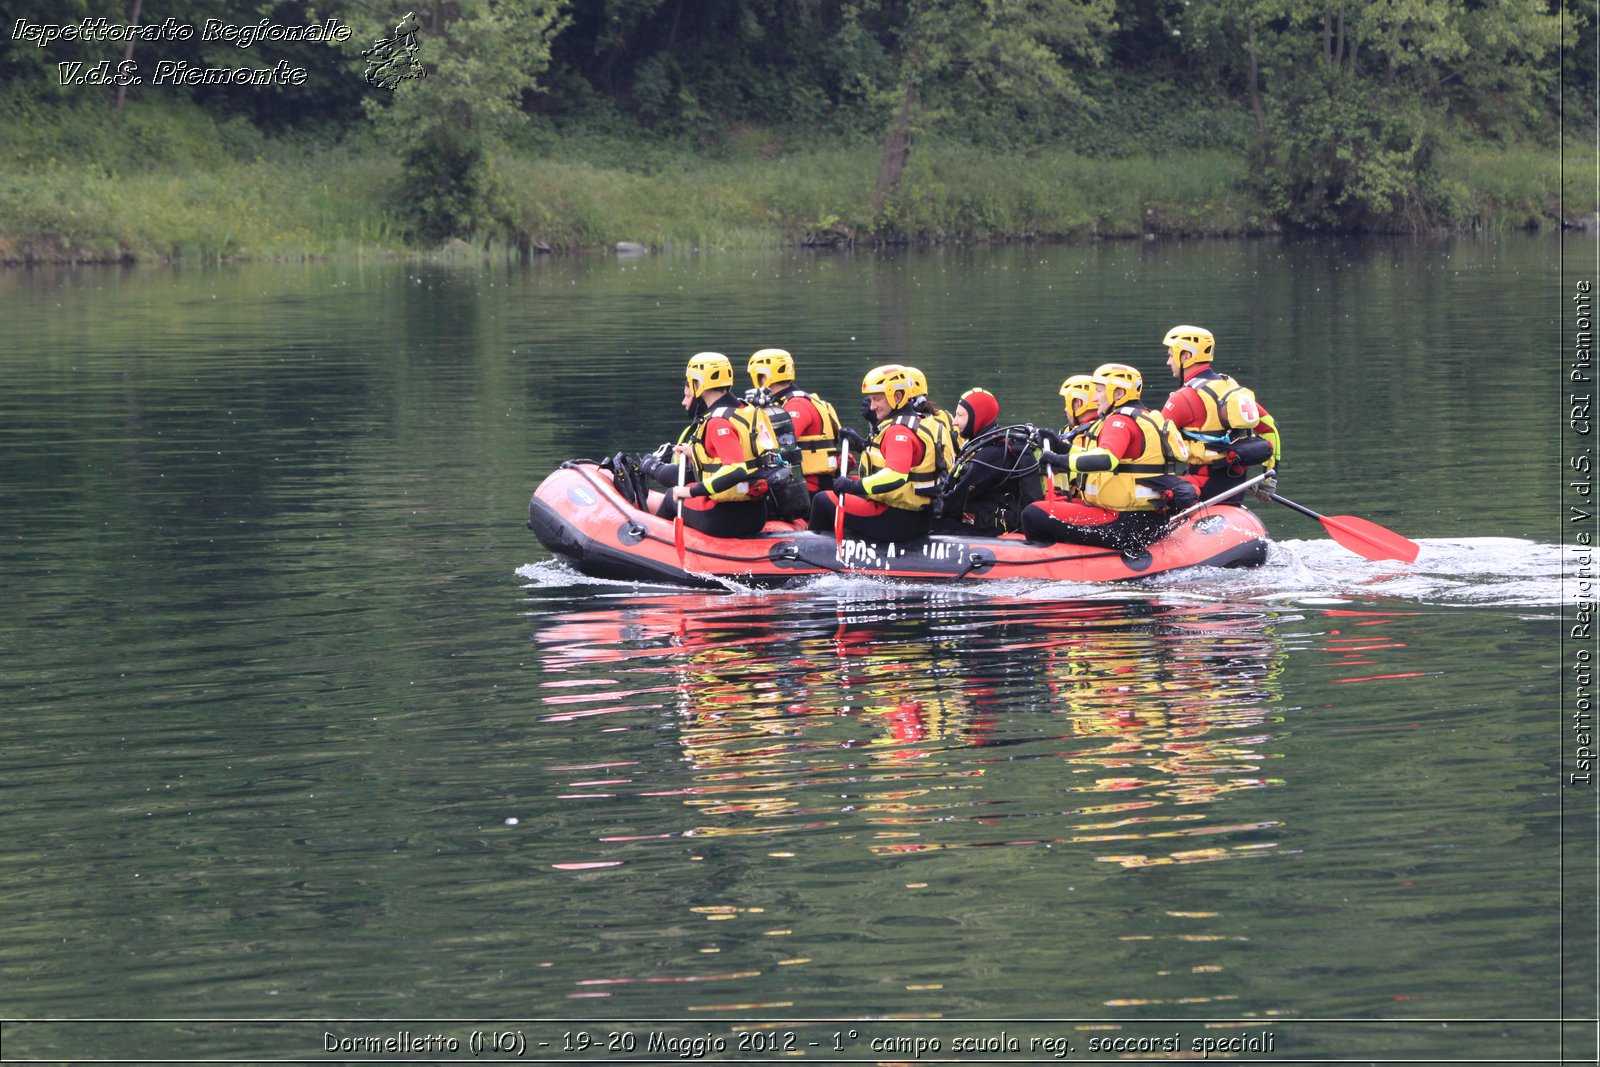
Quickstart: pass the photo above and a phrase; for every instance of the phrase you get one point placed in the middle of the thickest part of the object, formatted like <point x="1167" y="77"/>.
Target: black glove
<point x="1052" y="441"/>
<point x="1055" y="459"/>
<point x="857" y="439"/>
<point x="843" y="485"/>
<point x="659" y="469"/>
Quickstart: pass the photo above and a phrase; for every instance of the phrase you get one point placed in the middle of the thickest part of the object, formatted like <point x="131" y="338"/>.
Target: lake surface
<point x="312" y="751"/>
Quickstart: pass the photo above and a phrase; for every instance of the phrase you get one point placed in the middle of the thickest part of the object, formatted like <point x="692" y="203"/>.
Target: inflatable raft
<point x="578" y="514"/>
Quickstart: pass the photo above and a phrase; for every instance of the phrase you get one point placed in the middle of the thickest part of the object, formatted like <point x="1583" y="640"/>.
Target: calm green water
<point x="302" y="724"/>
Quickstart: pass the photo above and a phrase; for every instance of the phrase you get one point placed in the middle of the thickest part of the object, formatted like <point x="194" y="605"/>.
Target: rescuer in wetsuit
<point x="899" y="472"/>
<point x="1225" y="429"/>
<point x="1122" y="472"/>
<point x="726" y="496"/>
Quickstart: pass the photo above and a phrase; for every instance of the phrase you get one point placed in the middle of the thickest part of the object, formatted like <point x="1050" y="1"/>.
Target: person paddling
<point x="1123" y="471"/>
<point x="1226" y="429"/>
<point x="901" y="469"/>
<point x="721" y="446"/>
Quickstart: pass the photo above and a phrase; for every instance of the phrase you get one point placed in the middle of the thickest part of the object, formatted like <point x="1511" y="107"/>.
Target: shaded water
<point x="303" y="725"/>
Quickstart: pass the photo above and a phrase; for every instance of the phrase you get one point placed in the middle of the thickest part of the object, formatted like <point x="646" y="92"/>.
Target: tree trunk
<point x="127" y="56"/>
<point x="672" y="34"/>
<point x="1338" y="54"/>
<point x="896" y="150"/>
<point x="1255" y="84"/>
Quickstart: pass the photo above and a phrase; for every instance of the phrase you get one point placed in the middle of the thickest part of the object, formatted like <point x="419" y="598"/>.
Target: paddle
<point x="838" y="500"/>
<point x="677" y="516"/>
<point x="1050" y="491"/>
<point x="1360" y="536"/>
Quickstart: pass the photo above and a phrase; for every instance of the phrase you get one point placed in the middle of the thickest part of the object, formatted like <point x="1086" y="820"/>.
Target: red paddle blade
<point x="1366" y="538"/>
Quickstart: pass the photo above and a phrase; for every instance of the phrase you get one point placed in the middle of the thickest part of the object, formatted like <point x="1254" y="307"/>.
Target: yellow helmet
<point x="1191" y="344"/>
<point x="919" y="382"/>
<point x="708" y="370"/>
<point x="897" y="384"/>
<point x="770" y="366"/>
<point x="1120" y="376"/>
<point x="1080" y="399"/>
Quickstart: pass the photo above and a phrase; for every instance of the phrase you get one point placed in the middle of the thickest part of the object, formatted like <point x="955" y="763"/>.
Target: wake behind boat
<point x="578" y="514"/>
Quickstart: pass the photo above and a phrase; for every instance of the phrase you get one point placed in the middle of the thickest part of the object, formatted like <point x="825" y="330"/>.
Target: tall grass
<point x="172" y="184"/>
<point x="255" y="210"/>
<point x="956" y="191"/>
<point x="713" y="202"/>
<point x="1516" y="187"/>
<point x="950" y="192"/>
<point x="168" y="182"/>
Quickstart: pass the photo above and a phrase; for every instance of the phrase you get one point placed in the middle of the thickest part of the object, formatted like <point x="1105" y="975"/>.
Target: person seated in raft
<point x="995" y="474"/>
<point x="976" y="411"/>
<point x="923" y="408"/>
<point x="800" y="431"/>
<point x="1079" y="398"/>
<point x="900" y="470"/>
<point x="726" y="497"/>
<point x="1226" y="430"/>
<point x="1122" y="471"/>
<point x="927" y="409"/>
<point x="812" y="429"/>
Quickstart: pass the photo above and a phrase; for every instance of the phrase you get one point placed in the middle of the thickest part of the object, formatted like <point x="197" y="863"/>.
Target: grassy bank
<point x="175" y="186"/>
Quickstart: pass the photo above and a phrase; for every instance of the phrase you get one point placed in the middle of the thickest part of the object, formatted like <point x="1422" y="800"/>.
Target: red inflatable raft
<point x="578" y="514"/>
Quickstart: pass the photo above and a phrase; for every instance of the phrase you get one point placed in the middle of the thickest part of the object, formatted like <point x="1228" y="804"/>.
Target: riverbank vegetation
<point x="565" y="124"/>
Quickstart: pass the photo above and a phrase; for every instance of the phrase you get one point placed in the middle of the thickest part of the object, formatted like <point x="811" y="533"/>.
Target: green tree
<point x="1578" y="50"/>
<point x="478" y="60"/>
<point x="947" y="51"/>
<point x="330" y="95"/>
<point x="1353" y="98"/>
<point x="699" y="67"/>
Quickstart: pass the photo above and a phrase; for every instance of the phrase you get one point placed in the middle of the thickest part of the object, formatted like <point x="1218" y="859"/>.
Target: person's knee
<point x="1037" y="523"/>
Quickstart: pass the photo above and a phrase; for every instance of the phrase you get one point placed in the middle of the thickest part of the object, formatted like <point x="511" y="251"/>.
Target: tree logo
<point x="393" y="59"/>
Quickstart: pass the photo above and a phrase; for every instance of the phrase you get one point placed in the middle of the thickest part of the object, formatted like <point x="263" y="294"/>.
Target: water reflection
<point x="1180" y="701"/>
<point x="906" y="721"/>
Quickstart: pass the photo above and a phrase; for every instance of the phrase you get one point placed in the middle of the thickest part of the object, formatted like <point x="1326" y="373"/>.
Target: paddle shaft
<point x="1050" y="491"/>
<point x="838" y="498"/>
<point x="1235" y="491"/>
<point x="677" y="512"/>
<point x="1292" y="506"/>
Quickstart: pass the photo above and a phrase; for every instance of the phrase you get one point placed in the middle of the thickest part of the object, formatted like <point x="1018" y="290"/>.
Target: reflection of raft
<point x="578" y="515"/>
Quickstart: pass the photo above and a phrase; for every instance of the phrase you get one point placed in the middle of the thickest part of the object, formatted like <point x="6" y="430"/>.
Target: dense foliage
<point x="1343" y="108"/>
